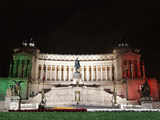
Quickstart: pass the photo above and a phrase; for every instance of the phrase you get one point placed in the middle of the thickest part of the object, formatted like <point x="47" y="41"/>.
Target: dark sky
<point x="65" y="26"/>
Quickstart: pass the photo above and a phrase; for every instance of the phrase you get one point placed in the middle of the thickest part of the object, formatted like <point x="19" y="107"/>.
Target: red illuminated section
<point x="131" y="66"/>
<point x="134" y="88"/>
<point x="133" y="71"/>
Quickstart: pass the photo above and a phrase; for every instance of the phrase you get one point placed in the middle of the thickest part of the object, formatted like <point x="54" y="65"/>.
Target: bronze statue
<point x="77" y="65"/>
<point x="145" y="90"/>
<point x="16" y="88"/>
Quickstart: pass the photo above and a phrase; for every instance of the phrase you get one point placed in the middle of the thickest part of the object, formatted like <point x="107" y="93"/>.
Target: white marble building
<point x="98" y="71"/>
<point x="60" y="68"/>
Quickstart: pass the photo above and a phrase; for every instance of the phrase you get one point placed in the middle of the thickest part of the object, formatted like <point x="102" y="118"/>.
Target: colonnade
<point x="132" y="69"/>
<point x="20" y="68"/>
<point x="65" y="73"/>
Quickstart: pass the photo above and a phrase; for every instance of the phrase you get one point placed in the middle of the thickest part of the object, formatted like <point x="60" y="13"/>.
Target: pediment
<point x="25" y="51"/>
<point x="22" y="54"/>
<point x="131" y="54"/>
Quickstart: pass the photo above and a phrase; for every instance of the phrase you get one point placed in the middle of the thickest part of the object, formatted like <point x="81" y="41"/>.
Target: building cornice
<point x="70" y="57"/>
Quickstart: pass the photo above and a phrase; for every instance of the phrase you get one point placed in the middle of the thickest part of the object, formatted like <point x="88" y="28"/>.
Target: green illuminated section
<point x="23" y="85"/>
<point x="3" y="87"/>
<point x="21" y="66"/>
<point x="5" y="83"/>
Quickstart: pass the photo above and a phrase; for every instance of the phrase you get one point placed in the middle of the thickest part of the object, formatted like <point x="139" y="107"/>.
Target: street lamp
<point x="113" y="79"/>
<point x="43" y="98"/>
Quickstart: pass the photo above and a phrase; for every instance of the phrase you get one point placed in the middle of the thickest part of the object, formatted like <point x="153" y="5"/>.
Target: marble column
<point x="97" y="76"/>
<point x="116" y="70"/>
<point x="139" y="69"/>
<point x="92" y="73"/>
<point x="110" y="72"/>
<point x="14" y="68"/>
<point x="82" y="73"/>
<point x="48" y="75"/>
<point x="22" y="74"/>
<point x="87" y="73"/>
<point x="52" y="72"/>
<point x="26" y="66"/>
<point x="101" y="71"/>
<point x="49" y="72"/>
<point x="70" y="73"/>
<point x="95" y="73"/>
<point x="106" y="76"/>
<point x="20" y="68"/>
<point x="39" y="72"/>
<point x="135" y="70"/>
<point x="56" y="73"/>
<point x="46" y="72"/>
<point x="132" y="70"/>
<point x="129" y="74"/>
<point x="60" y="72"/>
<point x="65" y="73"/>
<point x="143" y="70"/>
<point x="113" y="72"/>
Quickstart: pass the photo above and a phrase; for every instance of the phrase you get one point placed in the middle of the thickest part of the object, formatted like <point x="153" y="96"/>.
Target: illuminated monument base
<point x="77" y="93"/>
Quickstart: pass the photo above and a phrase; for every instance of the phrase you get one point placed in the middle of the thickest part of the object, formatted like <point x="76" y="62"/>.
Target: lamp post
<point x="127" y="89"/>
<point x="43" y="98"/>
<point x="113" y="79"/>
<point x="114" y="87"/>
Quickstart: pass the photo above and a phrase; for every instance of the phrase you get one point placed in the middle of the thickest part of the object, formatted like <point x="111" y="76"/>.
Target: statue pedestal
<point x="146" y="102"/>
<point x="12" y="102"/>
<point x="77" y="78"/>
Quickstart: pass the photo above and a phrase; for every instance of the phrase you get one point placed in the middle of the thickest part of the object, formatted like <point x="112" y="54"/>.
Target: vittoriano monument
<point x="83" y="78"/>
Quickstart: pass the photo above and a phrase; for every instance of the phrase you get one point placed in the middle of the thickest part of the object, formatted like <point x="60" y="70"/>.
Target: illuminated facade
<point x="122" y="67"/>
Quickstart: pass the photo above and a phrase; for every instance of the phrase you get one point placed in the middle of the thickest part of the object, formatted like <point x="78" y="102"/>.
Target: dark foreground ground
<point x="79" y="115"/>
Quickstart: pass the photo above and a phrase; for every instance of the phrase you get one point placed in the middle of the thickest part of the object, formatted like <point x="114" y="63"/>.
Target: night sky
<point x="81" y="27"/>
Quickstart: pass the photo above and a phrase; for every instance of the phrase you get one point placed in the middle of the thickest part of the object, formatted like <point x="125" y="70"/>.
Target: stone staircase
<point x="61" y="96"/>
